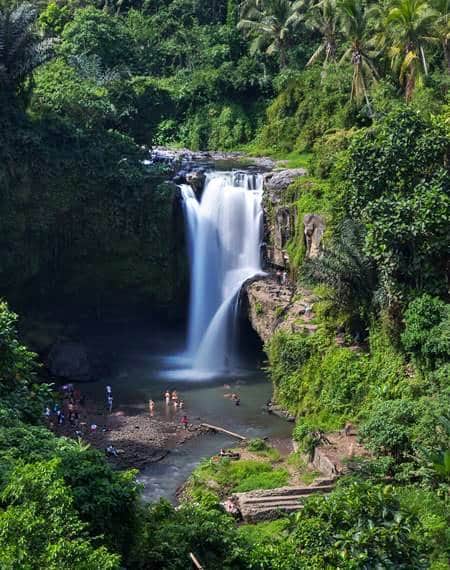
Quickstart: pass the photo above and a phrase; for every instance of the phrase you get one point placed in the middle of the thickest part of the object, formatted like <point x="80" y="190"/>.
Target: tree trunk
<point x="410" y="84"/>
<point x="446" y="48"/>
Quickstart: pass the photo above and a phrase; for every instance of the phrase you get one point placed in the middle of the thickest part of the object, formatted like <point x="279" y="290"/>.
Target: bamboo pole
<point x="223" y="430"/>
<point x="195" y="561"/>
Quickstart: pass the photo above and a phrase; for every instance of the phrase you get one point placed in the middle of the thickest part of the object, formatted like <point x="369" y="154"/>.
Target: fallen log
<point x="223" y="430"/>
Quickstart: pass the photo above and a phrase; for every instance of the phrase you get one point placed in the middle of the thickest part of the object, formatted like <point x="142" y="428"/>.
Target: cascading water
<point x="224" y="236"/>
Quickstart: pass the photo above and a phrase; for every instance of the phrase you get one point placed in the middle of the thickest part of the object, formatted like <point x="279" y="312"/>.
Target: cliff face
<point x="272" y="307"/>
<point x="280" y="218"/>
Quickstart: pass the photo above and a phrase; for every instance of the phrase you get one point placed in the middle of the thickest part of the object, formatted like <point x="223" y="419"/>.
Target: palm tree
<point x="408" y="29"/>
<point x="441" y="27"/>
<point x="323" y="19"/>
<point x="21" y="49"/>
<point x="270" y="23"/>
<point x="345" y="268"/>
<point x="354" y="20"/>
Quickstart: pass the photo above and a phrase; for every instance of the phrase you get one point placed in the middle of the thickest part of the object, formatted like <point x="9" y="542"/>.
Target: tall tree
<point x="323" y="19"/>
<point x="408" y="29"/>
<point x="270" y="23"/>
<point x="22" y="50"/>
<point x="354" y="23"/>
<point x="441" y="27"/>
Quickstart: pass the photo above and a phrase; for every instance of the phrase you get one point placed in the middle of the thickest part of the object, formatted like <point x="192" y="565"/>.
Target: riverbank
<point x="139" y="438"/>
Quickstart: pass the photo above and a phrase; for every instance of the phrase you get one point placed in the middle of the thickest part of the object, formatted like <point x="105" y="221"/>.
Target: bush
<point x="427" y="331"/>
<point x="217" y="127"/>
<point x="388" y="428"/>
<point x="168" y="535"/>
<point x="360" y="525"/>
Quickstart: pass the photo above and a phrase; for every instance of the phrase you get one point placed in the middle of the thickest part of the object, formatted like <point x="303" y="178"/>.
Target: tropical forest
<point x="224" y="284"/>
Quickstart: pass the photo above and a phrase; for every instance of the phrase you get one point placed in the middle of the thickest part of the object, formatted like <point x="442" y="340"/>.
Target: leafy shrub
<point x="427" y="330"/>
<point x="38" y="508"/>
<point x="395" y="181"/>
<point x="169" y="535"/>
<point x="217" y="127"/>
<point x="360" y="525"/>
<point x="257" y="444"/>
<point x="388" y="429"/>
<point x="326" y="150"/>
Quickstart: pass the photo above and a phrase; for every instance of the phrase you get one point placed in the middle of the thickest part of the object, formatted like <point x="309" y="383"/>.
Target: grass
<point x="293" y="159"/>
<point x="235" y="476"/>
<point x="260" y="447"/>
<point x="264" y="532"/>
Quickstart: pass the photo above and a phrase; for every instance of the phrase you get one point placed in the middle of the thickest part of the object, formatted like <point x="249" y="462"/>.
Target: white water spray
<point x="224" y="236"/>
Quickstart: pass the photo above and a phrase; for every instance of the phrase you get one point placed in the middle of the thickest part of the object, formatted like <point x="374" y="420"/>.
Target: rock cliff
<point x="272" y="307"/>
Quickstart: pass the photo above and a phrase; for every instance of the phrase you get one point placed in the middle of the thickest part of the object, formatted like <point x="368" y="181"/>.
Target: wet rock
<point x="70" y="360"/>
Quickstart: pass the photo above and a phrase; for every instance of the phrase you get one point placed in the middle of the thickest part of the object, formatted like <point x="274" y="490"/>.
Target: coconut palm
<point x="21" y="49"/>
<point x="354" y="23"/>
<point x="270" y="23"/>
<point x="408" y="29"/>
<point x="323" y="19"/>
<point x="441" y="27"/>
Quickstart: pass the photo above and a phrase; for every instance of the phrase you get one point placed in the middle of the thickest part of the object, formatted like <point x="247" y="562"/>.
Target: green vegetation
<point x="356" y="92"/>
<point x="222" y="476"/>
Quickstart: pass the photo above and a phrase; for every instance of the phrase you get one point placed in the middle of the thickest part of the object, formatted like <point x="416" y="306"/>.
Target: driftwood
<point x="223" y="430"/>
<point x="195" y="561"/>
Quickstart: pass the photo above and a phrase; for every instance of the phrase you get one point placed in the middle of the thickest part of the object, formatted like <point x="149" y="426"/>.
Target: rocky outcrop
<point x="272" y="307"/>
<point x="332" y="458"/>
<point x="314" y="226"/>
<point x="280" y="219"/>
<point x="276" y="182"/>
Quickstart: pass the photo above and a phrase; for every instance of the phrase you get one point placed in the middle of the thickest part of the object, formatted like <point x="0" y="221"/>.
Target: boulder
<point x="69" y="359"/>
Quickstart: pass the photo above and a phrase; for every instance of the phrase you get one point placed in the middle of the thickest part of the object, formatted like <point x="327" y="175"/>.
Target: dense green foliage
<point x="361" y="89"/>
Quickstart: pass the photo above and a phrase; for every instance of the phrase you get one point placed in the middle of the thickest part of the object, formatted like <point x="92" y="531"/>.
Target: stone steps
<point x="271" y="503"/>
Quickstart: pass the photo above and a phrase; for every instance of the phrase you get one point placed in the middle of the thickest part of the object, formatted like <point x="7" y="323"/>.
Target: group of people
<point x="171" y="398"/>
<point x="71" y="399"/>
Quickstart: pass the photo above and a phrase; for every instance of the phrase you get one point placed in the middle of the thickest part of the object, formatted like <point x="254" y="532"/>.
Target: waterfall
<point x="224" y="234"/>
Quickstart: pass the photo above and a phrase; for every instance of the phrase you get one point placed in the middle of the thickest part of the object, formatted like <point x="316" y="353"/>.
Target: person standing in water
<point x="184" y="422"/>
<point x="167" y="397"/>
<point x="151" y="406"/>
